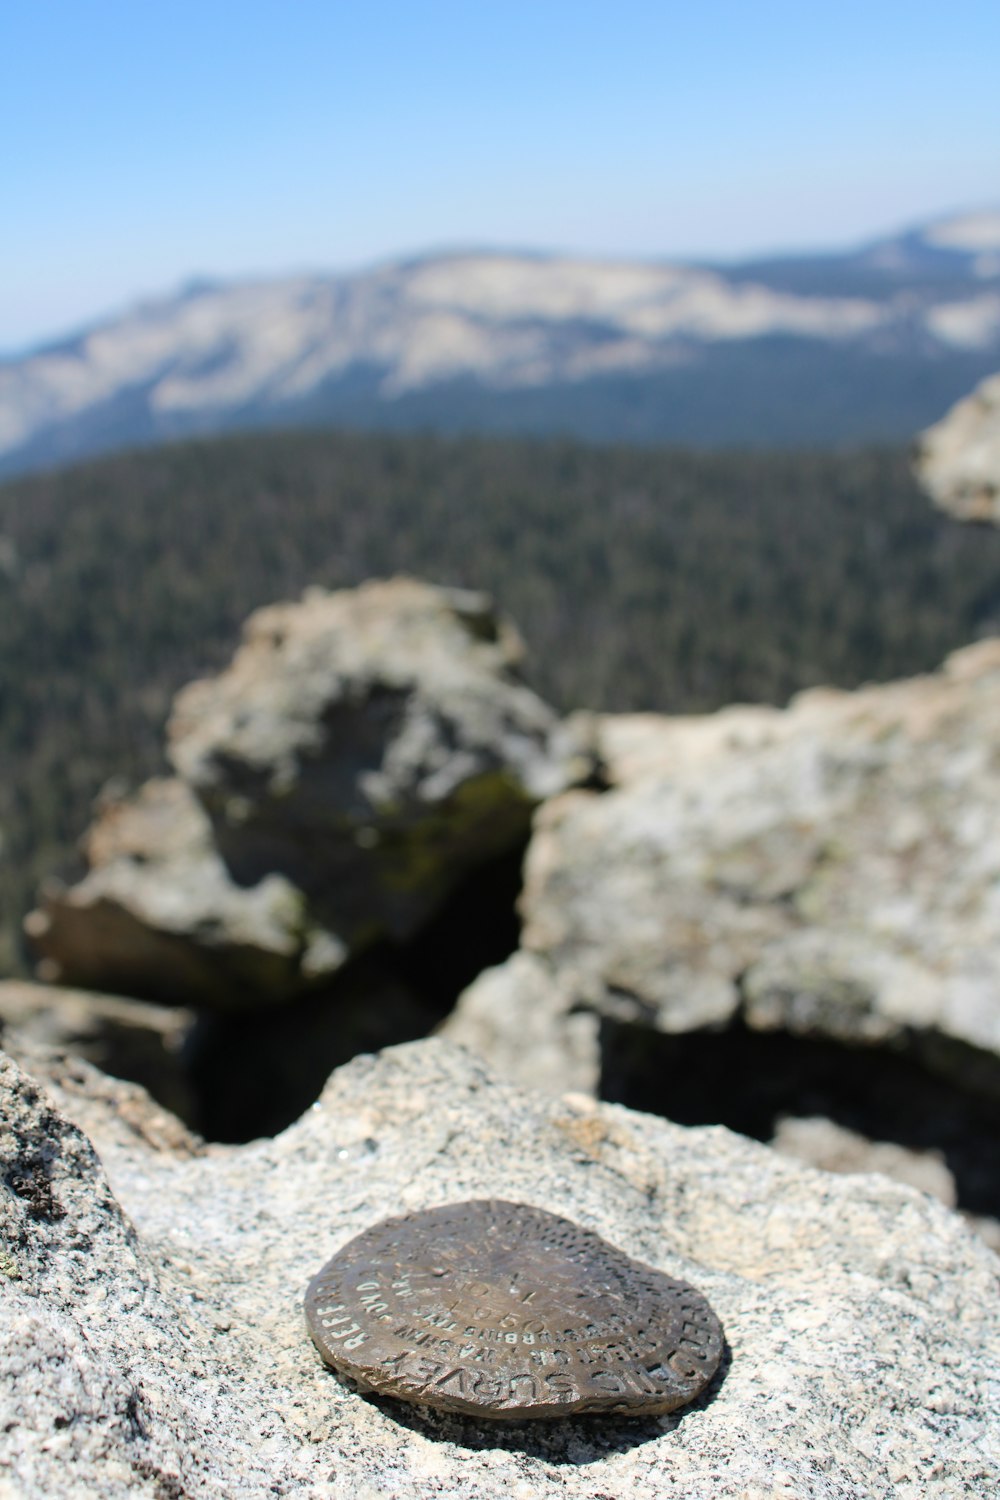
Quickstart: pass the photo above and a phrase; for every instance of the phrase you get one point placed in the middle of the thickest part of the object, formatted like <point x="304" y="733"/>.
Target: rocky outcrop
<point x="171" y="1358"/>
<point x="363" y="753"/>
<point x="783" y="920"/>
<point x="826" y="870"/>
<point x="777" y="912"/>
<point x="958" y="460"/>
<point x="372" y="745"/>
<point x="528" y="1022"/>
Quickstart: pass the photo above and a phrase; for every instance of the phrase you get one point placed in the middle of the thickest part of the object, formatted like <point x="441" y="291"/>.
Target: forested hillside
<point x="641" y="579"/>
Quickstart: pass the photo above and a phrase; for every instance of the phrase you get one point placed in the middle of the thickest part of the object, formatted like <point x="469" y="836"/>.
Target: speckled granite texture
<point x="153" y="1342"/>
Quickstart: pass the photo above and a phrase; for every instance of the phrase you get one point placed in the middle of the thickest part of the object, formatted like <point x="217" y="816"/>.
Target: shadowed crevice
<point x="254" y="1072"/>
<point x="748" y="1080"/>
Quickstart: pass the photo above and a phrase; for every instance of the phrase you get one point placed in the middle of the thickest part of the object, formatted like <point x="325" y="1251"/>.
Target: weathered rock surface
<point x="958" y="460"/>
<point x="154" y="1344"/>
<point x="823" y="1143"/>
<point x="831" y="870"/>
<point x="363" y="753"/>
<point x="158" y="914"/>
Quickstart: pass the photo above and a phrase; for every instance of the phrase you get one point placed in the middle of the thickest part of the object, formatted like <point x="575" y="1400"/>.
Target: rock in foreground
<point x="154" y="1343"/>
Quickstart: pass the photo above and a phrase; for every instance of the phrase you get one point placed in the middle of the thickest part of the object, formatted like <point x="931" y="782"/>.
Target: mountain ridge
<point x="459" y="340"/>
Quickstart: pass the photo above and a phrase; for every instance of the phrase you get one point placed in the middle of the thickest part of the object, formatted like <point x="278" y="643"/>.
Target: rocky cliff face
<point x="151" y="1301"/>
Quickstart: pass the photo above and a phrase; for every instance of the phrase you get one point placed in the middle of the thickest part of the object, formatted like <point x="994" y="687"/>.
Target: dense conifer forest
<point x="641" y="579"/>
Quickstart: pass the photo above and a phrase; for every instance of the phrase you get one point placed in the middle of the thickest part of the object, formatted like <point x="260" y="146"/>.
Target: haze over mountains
<point x="834" y="348"/>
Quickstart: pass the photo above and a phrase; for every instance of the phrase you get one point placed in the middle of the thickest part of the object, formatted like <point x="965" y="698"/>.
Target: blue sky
<point x="144" y="144"/>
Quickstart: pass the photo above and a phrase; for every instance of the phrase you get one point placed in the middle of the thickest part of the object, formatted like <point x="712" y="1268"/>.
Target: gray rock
<point x="159" y="913"/>
<point x="958" y="459"/>
<point x="822" y="1143"/>
<point x="154" y="1344"/>
<point x="121" y="1114"/>
<point x="830" y="871"/>
<point x="373" y="745"/>
<point x="363" y="753"/>
<point x="519" y="1017"/>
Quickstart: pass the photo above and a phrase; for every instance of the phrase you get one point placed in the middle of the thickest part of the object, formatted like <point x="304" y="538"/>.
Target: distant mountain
<point x="870" y="344"/>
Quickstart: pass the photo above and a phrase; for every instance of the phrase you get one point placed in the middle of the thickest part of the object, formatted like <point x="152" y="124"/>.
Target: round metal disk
<point x="504" y="1311"/>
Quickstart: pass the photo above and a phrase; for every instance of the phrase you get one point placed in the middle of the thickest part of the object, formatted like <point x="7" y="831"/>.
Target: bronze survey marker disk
<point x="505" y="1311"/>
